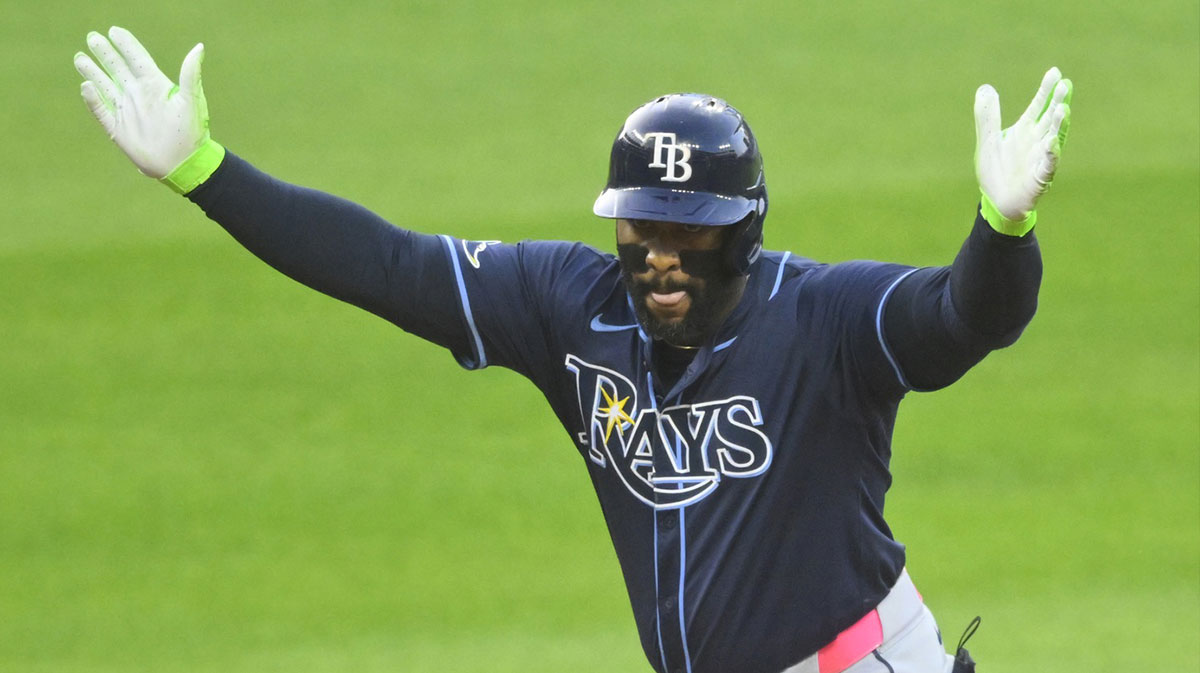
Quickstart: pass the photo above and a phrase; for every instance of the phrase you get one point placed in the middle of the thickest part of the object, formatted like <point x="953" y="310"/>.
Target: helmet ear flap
<point x="745" y="243"/>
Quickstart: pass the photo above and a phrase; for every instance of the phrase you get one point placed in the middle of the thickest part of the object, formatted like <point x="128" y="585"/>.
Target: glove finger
<point x="92" y="73"/>
<point x="1045" y="154"/>
<point x="189" y="72"/>
<point x="1070" y="90"/>
<point x="1046" y="166"/>
<point x="108" y="58"/>
<point x="1063" y="124"/>
<point x="1038" y="105"/>
<point x="101" y="108"/>
<point x="140" y="63"/>
<point x="987" y="115"/>
<point x="1062" y="92"/>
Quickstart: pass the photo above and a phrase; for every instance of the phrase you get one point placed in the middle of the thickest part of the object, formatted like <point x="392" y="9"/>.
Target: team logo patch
<point x="673" y="457"/>
<point x="472" y="249"/>
<point x="671" y="156"/>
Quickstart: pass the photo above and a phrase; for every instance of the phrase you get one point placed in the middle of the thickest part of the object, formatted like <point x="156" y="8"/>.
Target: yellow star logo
<point x="615" y="413"/>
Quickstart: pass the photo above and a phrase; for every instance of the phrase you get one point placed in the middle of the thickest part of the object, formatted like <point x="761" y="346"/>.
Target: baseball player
<point x="733" y="406"/>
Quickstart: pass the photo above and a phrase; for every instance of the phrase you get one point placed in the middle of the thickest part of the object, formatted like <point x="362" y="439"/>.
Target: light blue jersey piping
<point x="662" y="653"/>
<point x="481" y="360"/>
<point x="879" y="330"/>
<point x="779" y="275"/>
<point x="687" y="657"/>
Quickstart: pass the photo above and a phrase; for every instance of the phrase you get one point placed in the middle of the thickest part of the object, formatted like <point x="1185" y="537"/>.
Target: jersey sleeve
<point x="903" y="329"/>
<point x="507" y="298"/>
<point x="487" y="302"/>
<point x="941" y="321"/>
<point x="846" y="304"/>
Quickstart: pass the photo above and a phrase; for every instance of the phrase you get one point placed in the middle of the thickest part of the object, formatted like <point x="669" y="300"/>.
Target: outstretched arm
<point x="329" y="244"/>
<point x="940" y="322"/>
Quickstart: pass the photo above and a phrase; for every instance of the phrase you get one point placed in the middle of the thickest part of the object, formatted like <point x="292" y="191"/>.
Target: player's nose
<point x="662" y="256"/>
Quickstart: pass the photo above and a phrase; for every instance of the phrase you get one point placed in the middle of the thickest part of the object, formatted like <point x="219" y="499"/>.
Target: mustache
<point x="661" y="286"/>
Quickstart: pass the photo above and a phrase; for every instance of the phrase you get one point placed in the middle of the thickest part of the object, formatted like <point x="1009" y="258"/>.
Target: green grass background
<point x="206" y="467"/>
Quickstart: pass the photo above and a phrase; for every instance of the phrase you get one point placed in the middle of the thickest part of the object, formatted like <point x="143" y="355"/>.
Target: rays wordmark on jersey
<point x="668" y="457"/>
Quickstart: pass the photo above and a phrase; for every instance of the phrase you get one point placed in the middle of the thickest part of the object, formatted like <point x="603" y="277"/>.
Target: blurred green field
<point x="205" y="467"/>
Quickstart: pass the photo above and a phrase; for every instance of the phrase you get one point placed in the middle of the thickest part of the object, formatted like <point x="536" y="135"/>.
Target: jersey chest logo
<point x="671" y="457"/>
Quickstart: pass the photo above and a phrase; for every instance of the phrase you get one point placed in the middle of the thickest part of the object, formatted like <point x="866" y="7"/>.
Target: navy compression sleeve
<point x="941" y="321"/>
<point x="336" y="247"/>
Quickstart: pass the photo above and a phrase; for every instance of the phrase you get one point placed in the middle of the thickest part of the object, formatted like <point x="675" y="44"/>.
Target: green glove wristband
<point x="1001" y="223"/>
<point x="197" y="168"/>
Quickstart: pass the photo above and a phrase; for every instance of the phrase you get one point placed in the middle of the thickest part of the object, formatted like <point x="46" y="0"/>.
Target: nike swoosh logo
<point x="598" y="326"/>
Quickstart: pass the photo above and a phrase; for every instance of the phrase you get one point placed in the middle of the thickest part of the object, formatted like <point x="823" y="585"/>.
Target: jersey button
<point x="668" y="604"/>
<point x="668" y="520"/>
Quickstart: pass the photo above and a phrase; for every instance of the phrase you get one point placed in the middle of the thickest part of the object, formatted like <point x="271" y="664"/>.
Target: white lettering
<point x="671" y="457"/>
<point x="676" y="157"/>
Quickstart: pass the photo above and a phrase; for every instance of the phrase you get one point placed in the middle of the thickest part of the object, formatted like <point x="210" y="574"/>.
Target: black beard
<point x="711" y="302"/>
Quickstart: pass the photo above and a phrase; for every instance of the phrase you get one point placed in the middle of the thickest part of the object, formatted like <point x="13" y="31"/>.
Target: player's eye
<point x="692" y="228"/>
<point x="644" y="228"/>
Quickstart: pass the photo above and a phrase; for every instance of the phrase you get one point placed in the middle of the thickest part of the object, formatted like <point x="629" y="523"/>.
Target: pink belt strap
<point x="902" y="604"/>
<point x="851" y="645"/>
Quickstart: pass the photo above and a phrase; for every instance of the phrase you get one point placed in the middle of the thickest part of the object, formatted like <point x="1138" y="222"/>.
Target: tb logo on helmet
<point x="677" y="157"/>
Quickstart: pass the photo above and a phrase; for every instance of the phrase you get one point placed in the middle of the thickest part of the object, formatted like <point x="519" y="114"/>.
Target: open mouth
<point x="668" y="304"/>
<point x="667" y="299"/>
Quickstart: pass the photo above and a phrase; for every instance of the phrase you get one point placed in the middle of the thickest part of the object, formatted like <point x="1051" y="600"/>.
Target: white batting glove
<point x="1015" y="166"/>
<point x="161" y="127"/>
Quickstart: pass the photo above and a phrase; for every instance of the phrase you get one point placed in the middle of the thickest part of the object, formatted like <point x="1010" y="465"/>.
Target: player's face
<point x="682" y="289"/>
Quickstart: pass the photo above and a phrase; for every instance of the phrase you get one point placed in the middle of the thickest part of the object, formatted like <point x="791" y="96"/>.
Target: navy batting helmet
<point x="689" y="158"/>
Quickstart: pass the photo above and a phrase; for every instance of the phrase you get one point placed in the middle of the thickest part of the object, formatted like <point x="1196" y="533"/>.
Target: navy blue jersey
<point x="745" y="499"/>
<point x="745" y="503"/>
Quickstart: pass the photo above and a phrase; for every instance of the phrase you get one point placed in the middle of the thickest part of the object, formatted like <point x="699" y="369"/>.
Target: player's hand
<point x="1014" y="166"/>
<point x="161" y="127"/>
